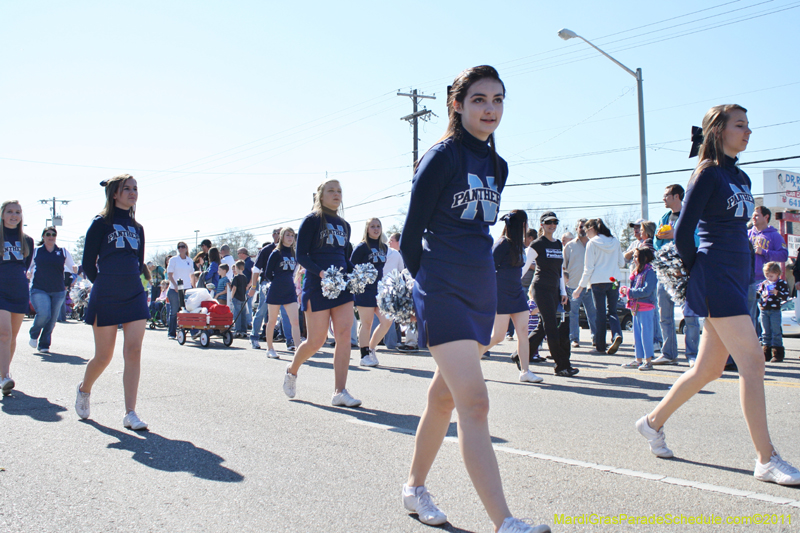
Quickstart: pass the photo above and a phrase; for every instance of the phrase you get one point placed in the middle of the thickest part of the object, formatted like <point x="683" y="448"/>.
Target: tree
<point x="77" y="252"/>
<point x="617" y="222"/>
<point x="236" y="239"/>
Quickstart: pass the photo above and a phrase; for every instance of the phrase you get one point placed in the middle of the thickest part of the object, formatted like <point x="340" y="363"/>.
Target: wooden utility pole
<point x="414" y="117"/>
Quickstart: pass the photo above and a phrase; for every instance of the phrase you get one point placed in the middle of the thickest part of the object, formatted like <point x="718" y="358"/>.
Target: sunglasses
<point x="551" y="223"/>
<point x="49" y="234"/>
<point x="182" y="246"/>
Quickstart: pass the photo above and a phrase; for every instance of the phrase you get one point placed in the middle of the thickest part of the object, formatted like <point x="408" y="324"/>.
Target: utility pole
<point x="55" y="219"/>
<point x="414" y="117"/>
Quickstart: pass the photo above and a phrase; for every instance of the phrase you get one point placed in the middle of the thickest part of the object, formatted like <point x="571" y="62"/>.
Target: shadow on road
<point x="161" y="453"/>
<point x="40" y="409"/>
<point x="707" y="465"/>
<point x="400" y="423"/>
<point x="54" y="357"/>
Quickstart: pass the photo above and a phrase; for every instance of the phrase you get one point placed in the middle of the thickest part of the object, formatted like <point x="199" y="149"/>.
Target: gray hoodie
<point x="604" y="260"/>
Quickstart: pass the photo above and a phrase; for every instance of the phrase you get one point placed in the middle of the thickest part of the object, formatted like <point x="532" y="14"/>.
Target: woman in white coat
<point x="601" y="270"/>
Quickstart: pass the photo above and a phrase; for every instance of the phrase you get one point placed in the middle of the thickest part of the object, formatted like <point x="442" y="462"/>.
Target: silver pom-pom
<point x="80" y="291"/>
<point x="395" y="296"/>
<point x="361" y="276"/>
<point x="333" y="283"/>
<point x="671" y="272"/>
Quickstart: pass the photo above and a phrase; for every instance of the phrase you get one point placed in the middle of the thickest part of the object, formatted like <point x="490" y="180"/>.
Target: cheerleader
<point x="511" y="301"/>
<point x="549" y="292"/>
<point x="280" y="272"/>
<point x="47" y="287"/>
<point x="454" y="199"/>
<point x="718" y="204"/>
<point x="371" y="249"/>
<point x="112" y="259"/>
<point x="17" y="249"/>
<point x="324" y="241"/>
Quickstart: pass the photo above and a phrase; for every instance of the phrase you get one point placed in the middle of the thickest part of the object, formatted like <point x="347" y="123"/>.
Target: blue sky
<point x="230" y="114"/>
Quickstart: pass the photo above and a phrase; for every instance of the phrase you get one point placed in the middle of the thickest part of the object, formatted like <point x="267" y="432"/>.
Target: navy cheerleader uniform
<point x="446" y="244"/>
<point x="369" y="252"/>
<point x="510" y="294"/>
<point x="318" y="249"/>
<point x="280" y="271"/>
<point x="718" y="203"/>
<point x="13" y="281"/>
<point x="112" y="259"/>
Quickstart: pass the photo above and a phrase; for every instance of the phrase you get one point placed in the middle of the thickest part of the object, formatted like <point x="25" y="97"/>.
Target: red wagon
<point x="207" y="324"/>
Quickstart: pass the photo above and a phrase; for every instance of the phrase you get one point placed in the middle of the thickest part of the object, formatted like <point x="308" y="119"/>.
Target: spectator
<point x="768" y="246"/>
<point x="200" y="262"/>
<point x="574" y="259"/>
<point x="223" y="285"/>
<point x="211" y="276"/>
<point x="394" y="261"/>
<point x="239" y="299"/>
<point x="648" y="233"/>
<point x="637" y="239"/>
<point x="529" y="268"/>
<point x="205" y="246"/>
<point x="642" y="302"/>
<point x="157" y="275"/>
<point x="258" y="267"/>
<point x="244" y="255"/>
<point x="227" y="259"/>
<point x="179" y="268"/>
<point x="568" y="236"/>
<point x="673" y="201"/>
<point x="603" y="263"/>
<point x="772" y="294"/>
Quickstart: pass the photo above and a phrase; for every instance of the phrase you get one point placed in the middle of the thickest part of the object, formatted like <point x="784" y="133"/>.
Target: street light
<point x="196" y="233"/>
<point x="569" y="34"/>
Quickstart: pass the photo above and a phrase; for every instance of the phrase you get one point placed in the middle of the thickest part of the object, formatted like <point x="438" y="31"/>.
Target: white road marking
<point x="660" y="478"/>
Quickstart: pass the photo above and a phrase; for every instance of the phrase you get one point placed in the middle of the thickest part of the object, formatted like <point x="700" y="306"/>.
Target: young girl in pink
<point x="642" y="301"/>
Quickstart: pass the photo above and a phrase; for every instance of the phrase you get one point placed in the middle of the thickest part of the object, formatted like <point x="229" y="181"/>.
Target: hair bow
<point x="449" y="89"/>
<point x="697" y="140"/>
<point x="506" y="217"/>
<point x="104" y="183"/>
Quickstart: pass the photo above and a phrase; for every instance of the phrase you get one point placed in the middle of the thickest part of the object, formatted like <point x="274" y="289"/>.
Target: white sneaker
<point x="777" y="471"/>
<point x="664" y="360"/>
<point x="33" y="343"/>
<point x="133" y="421"/>
<point x="254" y="344"/>
<point x="656" y="439"/>
<point x="515" y="525"/>
<point x="529" y="377"/>
<point x="421" y="502"/>
<point x="344" y="399"/>
<point x="44" y="350"/>
<point x="272" y="354"/>
<point x="82" y="403"/>
<point x="374" y="357"/>
<point x="369" y="360"/>
<point x="7" y="384"/>
<point x="289" y="383"/>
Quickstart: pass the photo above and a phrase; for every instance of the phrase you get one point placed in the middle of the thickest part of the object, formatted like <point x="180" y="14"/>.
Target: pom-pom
<point x="80" y="291"/>
<point x="361" y="276"/>
<point x="395" y="296"/>
<point x="333" y="283"/>
<point x="671" y="272"/>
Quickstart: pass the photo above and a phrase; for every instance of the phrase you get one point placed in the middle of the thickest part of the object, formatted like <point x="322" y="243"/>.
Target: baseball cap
<point x="548" y="216"/>
<point x="637" y="223"/>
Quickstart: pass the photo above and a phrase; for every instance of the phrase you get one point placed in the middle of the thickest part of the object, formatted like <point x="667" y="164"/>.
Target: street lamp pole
<point x="196" y="233"/>
<point x="568" y="34"/>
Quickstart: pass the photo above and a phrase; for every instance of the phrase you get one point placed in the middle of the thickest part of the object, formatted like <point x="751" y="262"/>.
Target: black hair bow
<point x="104" y="183"/>
<point x="697" y="140"/>
<point x="506" y="217"/>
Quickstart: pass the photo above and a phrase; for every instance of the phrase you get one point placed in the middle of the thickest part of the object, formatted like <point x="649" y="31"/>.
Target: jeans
<point x="48" y="306"/>
<point x="240" y="318"/>
<point x="771" y="321"/>
<point x="691" y="332"/>
<point x="574" y="312"/>
<point x="643" y="334"/>
<point x="286" y="326"/>
<point x="249" y="310"/>
<point x="752" y="306"/>
<point x="261" y="313"/>
<point x="657" y="336"/>
<point x="605" y="297"/>
<point x="174" y="307"/>
<point x="390" y="339"/>
<point x="155" y="292"/>
<point x="666" y="309"/>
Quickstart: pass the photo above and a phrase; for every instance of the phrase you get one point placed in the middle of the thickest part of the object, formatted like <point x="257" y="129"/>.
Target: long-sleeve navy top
<point x="455" y="197"/>
<point x="13" y="263"/>
<point x="370" y="252"/>
<point x="718" y="203"/>
<point x="320" y="248"/>
<point x="115" y="249"/>
<point x="281" y="264"/>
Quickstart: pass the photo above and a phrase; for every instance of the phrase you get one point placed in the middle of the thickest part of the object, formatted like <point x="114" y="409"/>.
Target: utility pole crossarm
<point x="415" y="95"/>
<point x="414" y="117"/>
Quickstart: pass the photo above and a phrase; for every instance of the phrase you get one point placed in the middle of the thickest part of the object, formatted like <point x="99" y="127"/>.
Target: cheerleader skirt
<point x="116" y="300"/>
<point x="455" y="302"/>
<point x="369" y="298"/>
<point x="718" y="284"/>
<point x="312" y="294"/>
<point x="281" y="293"/>
<point x="510" y="294"/>
<point x="14" y="296"/>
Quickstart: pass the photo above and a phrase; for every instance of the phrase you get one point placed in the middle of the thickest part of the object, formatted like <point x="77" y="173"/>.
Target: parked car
<point x="680" y="323"/>
<point x="789" y="323"/>
<point x="624" y="314"/>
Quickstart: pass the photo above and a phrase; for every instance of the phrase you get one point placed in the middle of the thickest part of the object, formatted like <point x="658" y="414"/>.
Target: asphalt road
<point x="228" y="452"/>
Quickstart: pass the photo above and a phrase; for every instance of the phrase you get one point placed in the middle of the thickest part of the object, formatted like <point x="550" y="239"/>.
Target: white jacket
<point x="604" y="260"/>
